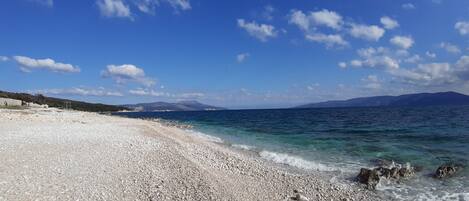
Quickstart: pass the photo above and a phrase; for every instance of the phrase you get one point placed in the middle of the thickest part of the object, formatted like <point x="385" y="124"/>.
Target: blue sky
<point x="238" y="54"/>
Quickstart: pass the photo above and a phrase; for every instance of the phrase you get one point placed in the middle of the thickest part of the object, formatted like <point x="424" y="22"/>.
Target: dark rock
<point x="447" y="170"/>
<point x="368" y="177"/>
<point x="406" y="172"/>
<point x="394" y="173"/>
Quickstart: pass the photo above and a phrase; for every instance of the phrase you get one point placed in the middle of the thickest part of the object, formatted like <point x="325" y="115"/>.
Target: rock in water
<point x="368" y="177"/>
<point x="406" y="172"/>
<point x="447" y="170"/>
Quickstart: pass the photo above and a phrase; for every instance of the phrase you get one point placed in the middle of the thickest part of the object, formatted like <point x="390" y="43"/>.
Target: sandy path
<point x="56" y="155"/>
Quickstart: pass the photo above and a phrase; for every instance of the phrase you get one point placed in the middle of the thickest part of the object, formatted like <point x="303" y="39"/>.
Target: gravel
<point x="67" y="155"/>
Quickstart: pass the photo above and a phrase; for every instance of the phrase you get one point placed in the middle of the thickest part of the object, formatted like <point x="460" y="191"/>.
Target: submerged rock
<point x="371" y="177"/>
<point x="447" y="170"/>
<point x="368" y="177"/>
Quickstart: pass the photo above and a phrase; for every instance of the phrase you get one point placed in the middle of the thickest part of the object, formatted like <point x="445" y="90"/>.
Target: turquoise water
<point x="346" y="139"/>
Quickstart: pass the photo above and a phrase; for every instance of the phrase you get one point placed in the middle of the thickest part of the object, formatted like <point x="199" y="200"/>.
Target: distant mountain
<point x="179" y="106"/>
<point x="421" y="99"/>
<point x="60" y="103"/>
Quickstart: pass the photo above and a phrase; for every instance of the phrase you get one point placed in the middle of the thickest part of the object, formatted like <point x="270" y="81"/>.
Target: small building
<point x="8" y="102"/>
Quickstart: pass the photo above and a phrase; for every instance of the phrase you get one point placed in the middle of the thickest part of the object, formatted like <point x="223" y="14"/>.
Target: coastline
<point x="52" y="154"/>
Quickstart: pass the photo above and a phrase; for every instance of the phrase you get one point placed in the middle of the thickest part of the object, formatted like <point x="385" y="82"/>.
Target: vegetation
<point x="61" y="103"/>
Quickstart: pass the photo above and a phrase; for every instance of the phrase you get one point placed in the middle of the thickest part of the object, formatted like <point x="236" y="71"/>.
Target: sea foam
<point x="294" y="161"/>
<point x="243" y="146"/>
<point x="205" y="136"/>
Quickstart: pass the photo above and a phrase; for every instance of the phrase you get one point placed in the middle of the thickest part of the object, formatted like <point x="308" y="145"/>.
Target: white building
<point x="6" y="102"/>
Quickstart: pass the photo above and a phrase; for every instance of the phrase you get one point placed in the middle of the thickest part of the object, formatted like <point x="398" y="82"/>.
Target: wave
<point x="243" y="146"/>
<point x="294" y="161"/>
<point x="206" y="137"/>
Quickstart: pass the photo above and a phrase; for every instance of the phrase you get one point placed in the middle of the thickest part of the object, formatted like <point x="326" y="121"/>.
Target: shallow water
<point x="345" y="139"/>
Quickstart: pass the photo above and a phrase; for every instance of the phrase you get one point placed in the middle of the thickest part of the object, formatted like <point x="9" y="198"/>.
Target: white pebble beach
<point x="51" y="154"/>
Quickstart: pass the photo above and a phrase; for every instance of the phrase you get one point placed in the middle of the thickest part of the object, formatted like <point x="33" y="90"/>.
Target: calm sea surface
<point x="346" y="139"/>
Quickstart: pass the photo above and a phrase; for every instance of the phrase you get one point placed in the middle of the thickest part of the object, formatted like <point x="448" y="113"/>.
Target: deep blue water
<point x="346" y="139"/>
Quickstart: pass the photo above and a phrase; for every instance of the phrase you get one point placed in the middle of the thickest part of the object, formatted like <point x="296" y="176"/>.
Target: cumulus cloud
<point x="404" y="42"/>
<point x="147" y="92"/>
<point x="241" y="57"/>
<point x="462" y="27"/>
<point x="324" y="17"/>
<point x="263" y="32"/>
<point x="114" y="8"/>
<point x="180" y="4"/>
<point x="4" y="58"/>
<point x="426" y="74"/>
<point x="327" y="18"/>
<point x="342" y="65"/>
<point x="376" y="58"/>
<point x="450" y="48"/>
<point x="299" y="19"/>
<point x="370" y="33"/>
<point x="408" y="6"/>
<point x="127" y="72"/>
<point x="430" y="54"/>
<point x="80" y="91"/>
<point x="330" y="40"/>
<point x="28" y="64"/>
<point x="389" y="23"/>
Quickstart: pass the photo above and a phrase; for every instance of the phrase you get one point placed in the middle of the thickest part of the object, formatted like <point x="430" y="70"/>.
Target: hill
<point x="60" y="103"/>
<point x="420" y="99"/>
<point x="179" y="106"/>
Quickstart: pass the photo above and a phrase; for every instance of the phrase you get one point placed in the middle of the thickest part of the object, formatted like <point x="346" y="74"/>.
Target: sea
<point x="343" y="140"/>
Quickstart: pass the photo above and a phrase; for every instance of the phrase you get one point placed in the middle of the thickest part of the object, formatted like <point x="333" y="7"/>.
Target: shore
<point x="51" y="154"/>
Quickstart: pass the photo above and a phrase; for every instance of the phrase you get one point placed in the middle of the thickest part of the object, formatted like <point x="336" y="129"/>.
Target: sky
<point x="235" y="54"/>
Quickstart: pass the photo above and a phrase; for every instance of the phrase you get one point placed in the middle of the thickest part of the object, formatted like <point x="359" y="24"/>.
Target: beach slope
<point x="67" y="155"/>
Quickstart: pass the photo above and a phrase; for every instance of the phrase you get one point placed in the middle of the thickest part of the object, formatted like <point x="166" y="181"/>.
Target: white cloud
<point x="462" y="27"/>
<point x="298" y="18"/>
<point x="260" y="31"/>
<point x="450" y="48"/>
<point x="342" y="65"/>
<point x="28" y="64"/>
<point x="4" y="58"/>
<point x="372" y="82"/>
<point x="376" y="57"/>
<point x="146" y="6"/>
<point x="413" y="59"/>
<point x="79" y="91"/>
<point x="48" y="3"/>
<point x="404" y="42"/>
<point x="180" y="4"/>
<point x="114" y="8"/>
<point x="242" y="57"/>
<point x="147" y="92"/>
<point x="426" y="74"/>
<point x="388" y="22"/>
<point x="430" y="54"/>
<point x="127" y="72"/>
<point x="327" y="18"/>
<point x="356" y="63"/>
<point x="371" y="33"/>
<point x="329" y="40"/>
<point x="324" y="17"/>
<point x="408" y="6"/>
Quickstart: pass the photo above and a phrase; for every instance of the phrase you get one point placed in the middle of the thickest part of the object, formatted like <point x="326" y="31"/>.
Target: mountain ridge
<point x="178" y="106"/>
<point x="411" y="100"/>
